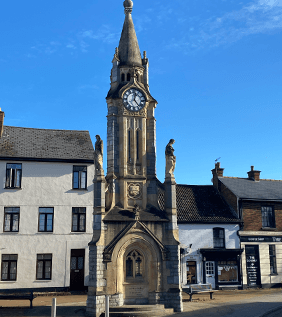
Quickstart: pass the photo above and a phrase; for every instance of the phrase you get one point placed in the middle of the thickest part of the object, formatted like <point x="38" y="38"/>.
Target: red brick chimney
<point x="254" y="175"/>
<point x="2" y="115"/>
<point x="217" y="172"/>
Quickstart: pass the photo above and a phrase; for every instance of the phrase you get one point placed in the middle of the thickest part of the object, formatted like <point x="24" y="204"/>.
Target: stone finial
<point x="128" y="5"/>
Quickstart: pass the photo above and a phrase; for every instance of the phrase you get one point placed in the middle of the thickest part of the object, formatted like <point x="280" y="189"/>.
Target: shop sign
<point x="260" y="239"/>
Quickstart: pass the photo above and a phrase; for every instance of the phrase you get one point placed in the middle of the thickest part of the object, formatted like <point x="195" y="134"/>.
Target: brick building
<point x="258" y="203"/>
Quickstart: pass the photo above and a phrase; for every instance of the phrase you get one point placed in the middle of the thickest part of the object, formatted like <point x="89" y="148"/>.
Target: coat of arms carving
<point x="135" y="190"/>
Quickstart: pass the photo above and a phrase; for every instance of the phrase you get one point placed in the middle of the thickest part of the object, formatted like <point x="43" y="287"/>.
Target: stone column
<point x="96" y="289"/>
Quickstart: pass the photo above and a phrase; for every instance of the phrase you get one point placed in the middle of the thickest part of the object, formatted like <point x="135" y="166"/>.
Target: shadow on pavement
<point x="255" y="309"/>
<point x="43" y="311"/>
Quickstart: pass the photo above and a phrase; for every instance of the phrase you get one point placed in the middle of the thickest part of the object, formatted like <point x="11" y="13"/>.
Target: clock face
<point x="134" y="100"/>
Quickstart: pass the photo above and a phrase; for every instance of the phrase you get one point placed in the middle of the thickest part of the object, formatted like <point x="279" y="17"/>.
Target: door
<point x="253" y="265"/>
<point x="191" y="272"/>
<point x="77" y="270"/>
<point x="210" y="273"/>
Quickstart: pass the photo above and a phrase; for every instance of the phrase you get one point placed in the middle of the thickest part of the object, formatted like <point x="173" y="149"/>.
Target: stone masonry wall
<point x="95" y="303"/>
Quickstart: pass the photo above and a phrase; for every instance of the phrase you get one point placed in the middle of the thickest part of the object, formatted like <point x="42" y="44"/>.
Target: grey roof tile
<point x="202" y="204"/>
<point x="249" y="189"/>
<point x="45" y="144"/>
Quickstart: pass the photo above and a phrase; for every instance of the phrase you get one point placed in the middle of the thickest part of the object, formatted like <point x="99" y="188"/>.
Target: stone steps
<point x="140" y="311"/>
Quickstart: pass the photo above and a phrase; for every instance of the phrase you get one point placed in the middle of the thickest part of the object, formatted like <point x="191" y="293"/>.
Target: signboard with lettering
<point x="253" y="265"/>
<point x="260" y="239"/>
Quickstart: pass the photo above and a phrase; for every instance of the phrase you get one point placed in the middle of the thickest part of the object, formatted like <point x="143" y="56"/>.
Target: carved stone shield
<point x="134" y="190"/>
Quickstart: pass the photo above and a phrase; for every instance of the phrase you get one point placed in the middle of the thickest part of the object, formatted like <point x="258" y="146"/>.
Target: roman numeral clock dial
<point x="134" y="100"/>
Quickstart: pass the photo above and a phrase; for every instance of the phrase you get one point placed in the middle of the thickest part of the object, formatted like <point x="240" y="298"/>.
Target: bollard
<point x="53" y="310"/>
<point x="107" y="306"/>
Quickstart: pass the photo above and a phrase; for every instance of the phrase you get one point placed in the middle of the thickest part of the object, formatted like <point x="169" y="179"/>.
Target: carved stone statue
<point x="170" y="159"/>
<point x="136" y="211"/>
<point x="99" y="153"/>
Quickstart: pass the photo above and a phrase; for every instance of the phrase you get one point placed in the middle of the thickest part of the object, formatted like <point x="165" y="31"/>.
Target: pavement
<point x="245" y="303"/>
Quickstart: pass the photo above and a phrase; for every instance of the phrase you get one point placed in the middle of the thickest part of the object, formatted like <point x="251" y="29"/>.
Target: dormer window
<point x="128" y="76"/>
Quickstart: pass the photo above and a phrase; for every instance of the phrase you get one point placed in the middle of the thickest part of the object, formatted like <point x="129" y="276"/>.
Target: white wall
<point x="201" y="236"/>
<point x="45" y="185"/>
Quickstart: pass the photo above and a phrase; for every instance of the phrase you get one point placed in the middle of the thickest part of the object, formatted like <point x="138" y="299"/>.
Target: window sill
<point x="42" y="281"/>
<point x="77" y="232"/>
<point x="9" y="282"/>
<point x="80" y="189"/>
<point x="268" y="229"/>
<point x="274" y="274"/>
<point x="15" y="188"/>
<point x="45" y="232"/>
<point x="10" y="232"/>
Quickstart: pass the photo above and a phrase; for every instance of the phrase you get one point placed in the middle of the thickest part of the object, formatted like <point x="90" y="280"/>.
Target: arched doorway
<point x="138" y="268"/>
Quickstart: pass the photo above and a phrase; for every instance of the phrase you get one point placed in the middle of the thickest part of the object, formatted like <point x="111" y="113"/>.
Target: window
<point x="218" y="238"/>
<point x="268" y="217"/>
<point x="79" y="177"/>
<point x="78" y="219"/>
<point x="128" y="76"/>
<point x="46" y="219"/>
<point x="13" y="175"/>
<point x="44" y="267"/>
<point x="11" y="219"/>
<point x="272" y="259"/>
<point x="134" y="264"/>
<point x="227" y="271"/>
<point x="122" y="77"/>
<point x="9" y="267"/>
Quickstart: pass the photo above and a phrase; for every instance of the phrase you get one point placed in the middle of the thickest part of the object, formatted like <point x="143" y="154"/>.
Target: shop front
<point x="221" y="267"/>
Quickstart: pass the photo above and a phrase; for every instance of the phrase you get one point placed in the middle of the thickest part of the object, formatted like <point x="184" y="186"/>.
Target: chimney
<point x="217" y="172"/>
<point x="2" y="115"/>
<point x="254" y="175"/>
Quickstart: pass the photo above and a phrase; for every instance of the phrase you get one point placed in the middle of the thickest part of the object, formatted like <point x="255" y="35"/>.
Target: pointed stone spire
<point x="129" y="52"/>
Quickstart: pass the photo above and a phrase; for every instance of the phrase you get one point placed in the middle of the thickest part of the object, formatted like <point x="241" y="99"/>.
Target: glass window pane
<point x="39" y="269"/>
<point x="4" y="271"/>
<point x="47" y="256"/>
<point x="46" y="210"/>
<point x="75" y="179"/>
<point x="7" y="222"/>
<point x="13" y="257"/>
<point x="73" y="263"/>
<point x="15" y="222"/>
<point x="83" y="180"/>
<point x="42" y="222"/>
<point x="80" y="263"/>
<point x="82" y="223"/>
<point x="49" y="222"/>
<point x="47" y="269"/>
<point x="74" y="222"/>
<point x="13" y="270"/>
<point x="18" y="178"/>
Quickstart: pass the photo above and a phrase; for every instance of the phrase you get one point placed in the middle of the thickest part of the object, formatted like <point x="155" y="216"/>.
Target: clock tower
<point x="134" y="256"/>
<point x="131" y="139"/>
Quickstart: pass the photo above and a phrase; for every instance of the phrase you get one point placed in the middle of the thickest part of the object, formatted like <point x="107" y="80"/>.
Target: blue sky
<point x="215" y="70"/>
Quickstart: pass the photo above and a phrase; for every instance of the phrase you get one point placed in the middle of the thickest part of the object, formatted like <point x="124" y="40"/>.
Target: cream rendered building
<point x="46" y="207"/>
<point x="134" y="254"/>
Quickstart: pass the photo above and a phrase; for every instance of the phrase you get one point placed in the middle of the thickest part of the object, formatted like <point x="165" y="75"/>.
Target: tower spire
<point x="129" y="52"/>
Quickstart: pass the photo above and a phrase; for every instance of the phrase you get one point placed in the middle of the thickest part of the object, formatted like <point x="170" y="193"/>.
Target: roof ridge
<point x="10" y="126"/>
<point x="261" y="179"/>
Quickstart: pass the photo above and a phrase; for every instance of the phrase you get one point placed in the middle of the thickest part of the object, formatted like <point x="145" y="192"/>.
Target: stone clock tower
<point x="134" y="253"/>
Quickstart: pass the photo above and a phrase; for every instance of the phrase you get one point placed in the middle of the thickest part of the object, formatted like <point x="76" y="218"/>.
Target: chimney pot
<point x="254" y="175"/>
<point x="2" y="115"/>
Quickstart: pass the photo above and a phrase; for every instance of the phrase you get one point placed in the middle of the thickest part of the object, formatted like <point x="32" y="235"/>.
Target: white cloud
<point x="257" y="17"/>
<point x="104" y="34"/>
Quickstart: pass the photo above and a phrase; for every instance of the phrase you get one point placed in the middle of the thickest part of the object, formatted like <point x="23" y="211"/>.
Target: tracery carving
<point x="134" y="190"/>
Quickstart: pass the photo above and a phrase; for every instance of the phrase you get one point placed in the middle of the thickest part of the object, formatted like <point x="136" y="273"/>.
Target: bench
<point x="18" y="295"/>
<point x="198" y="288"/>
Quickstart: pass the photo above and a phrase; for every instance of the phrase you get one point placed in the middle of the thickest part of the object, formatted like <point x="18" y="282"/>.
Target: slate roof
<point x="43" y="144"/>
<point x="197" y="204"/>
<point x="249" y="189"/>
